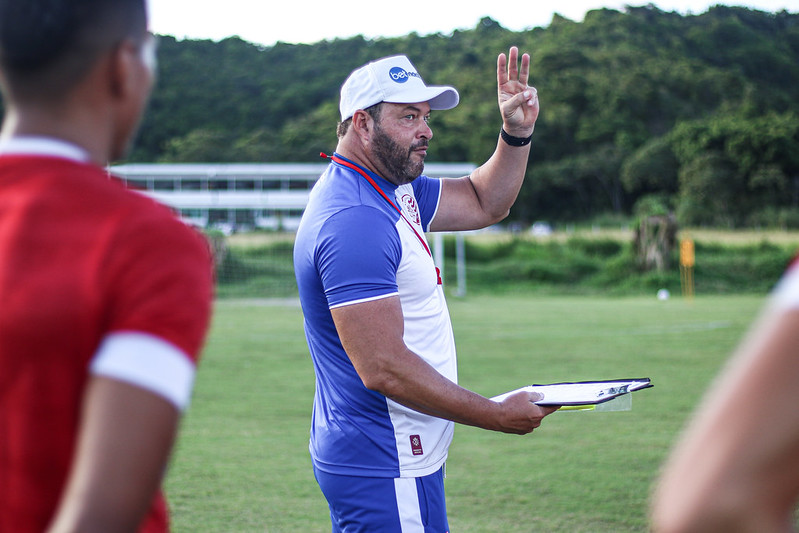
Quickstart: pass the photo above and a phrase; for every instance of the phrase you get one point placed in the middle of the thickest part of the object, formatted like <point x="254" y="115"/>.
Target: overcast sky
<point x="309" y="21"/>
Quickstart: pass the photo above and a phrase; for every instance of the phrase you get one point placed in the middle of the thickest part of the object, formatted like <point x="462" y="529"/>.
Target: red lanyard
<point x="371" y="181"/>
<point x="359" y="170"/>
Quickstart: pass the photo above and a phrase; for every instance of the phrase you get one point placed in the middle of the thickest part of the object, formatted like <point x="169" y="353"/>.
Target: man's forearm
<point x="412" y="382"/>
<point x="498" y="181"/>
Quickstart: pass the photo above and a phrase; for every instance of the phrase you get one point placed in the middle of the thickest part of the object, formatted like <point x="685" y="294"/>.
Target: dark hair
<point x="46" y="46"/>
<point x="374" y="112"/>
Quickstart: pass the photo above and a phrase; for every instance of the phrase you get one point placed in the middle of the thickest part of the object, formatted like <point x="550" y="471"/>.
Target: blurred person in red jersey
<point x="106" y="295"/>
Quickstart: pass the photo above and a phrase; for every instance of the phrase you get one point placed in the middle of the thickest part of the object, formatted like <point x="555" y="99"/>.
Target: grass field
<point x="242" y="463"/>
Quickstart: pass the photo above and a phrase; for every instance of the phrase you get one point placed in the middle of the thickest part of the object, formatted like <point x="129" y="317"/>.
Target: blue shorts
<point x="391" y="505"/>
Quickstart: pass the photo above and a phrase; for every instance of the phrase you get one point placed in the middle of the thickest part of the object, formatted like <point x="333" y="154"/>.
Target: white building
<point x="241" y="196"/>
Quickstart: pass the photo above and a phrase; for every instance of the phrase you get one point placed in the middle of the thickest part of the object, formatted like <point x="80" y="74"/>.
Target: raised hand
<point x="518" y="102"/>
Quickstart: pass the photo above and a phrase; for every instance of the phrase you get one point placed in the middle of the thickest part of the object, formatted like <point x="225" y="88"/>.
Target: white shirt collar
<point x="46" y="146"/>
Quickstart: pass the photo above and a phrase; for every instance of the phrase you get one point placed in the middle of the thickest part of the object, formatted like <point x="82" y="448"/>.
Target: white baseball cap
<point x="395" y="80"/>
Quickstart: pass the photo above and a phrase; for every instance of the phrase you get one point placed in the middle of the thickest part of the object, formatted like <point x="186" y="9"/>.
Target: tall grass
<point x="260" y="265"/>
<point x="242" y="464"/>
<point x="580" y="265"/>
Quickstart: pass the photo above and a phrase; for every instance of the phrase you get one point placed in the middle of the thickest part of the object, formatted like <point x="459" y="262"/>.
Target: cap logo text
<point x="400" y="75"/>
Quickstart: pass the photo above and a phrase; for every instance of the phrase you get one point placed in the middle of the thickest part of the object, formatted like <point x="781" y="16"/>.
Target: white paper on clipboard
<point x="581" y="392"/>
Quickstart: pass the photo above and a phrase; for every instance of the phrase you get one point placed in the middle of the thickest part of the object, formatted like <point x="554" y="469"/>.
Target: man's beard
<point x="395" y="161"/>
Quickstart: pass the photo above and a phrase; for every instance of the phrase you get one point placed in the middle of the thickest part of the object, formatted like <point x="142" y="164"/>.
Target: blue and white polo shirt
<point x="352" y="246"/>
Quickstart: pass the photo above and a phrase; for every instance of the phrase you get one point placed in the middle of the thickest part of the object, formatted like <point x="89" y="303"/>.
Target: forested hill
<point x="641" y="110"/>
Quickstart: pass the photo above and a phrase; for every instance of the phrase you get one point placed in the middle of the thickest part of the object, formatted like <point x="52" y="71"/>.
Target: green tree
<point x="652" y="168"/>
<point x="759" y="155"/>
<point x="630" y="101"/>
<point x="710" y="191"/>
<point x="200" y="146"/>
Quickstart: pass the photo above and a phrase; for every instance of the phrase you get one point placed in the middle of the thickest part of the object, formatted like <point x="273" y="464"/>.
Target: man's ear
<point x="362" y="125"/>
<point x="122" y="69"/>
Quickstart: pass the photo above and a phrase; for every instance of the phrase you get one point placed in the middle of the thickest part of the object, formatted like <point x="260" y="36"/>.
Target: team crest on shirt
<point x="416" y="445"/>
<point x="409" y="207"/>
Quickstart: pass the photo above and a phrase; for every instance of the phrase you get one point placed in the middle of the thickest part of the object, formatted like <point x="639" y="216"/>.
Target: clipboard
<point x="581" y="393"/>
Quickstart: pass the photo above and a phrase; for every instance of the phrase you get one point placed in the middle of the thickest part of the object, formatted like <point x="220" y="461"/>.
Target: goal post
<point x="460" y="259"/>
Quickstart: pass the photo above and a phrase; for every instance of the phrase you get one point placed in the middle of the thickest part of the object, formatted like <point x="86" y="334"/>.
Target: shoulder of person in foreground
<point x="736" y="466"/>
<point x="161" y="273"/>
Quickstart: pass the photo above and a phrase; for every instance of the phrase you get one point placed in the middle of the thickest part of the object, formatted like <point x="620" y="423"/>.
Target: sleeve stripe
<point x="362" y="300"/>
<point x="148" y="362"/>
<point x="786" y="294"/>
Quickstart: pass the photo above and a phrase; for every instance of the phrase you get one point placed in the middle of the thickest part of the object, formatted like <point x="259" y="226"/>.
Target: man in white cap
<point x="376" y="320"/>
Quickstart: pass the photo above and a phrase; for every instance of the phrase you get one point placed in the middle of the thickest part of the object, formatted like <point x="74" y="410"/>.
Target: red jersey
<point x="84" y="262"/>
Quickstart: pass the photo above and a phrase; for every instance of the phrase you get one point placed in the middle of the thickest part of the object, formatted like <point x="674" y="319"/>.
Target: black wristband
<point x="514" y="141"/>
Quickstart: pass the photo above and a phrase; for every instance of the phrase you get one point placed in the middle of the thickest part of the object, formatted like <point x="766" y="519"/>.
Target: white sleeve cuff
<point x="148" y="362"/>
<point x="785" y="296"/>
